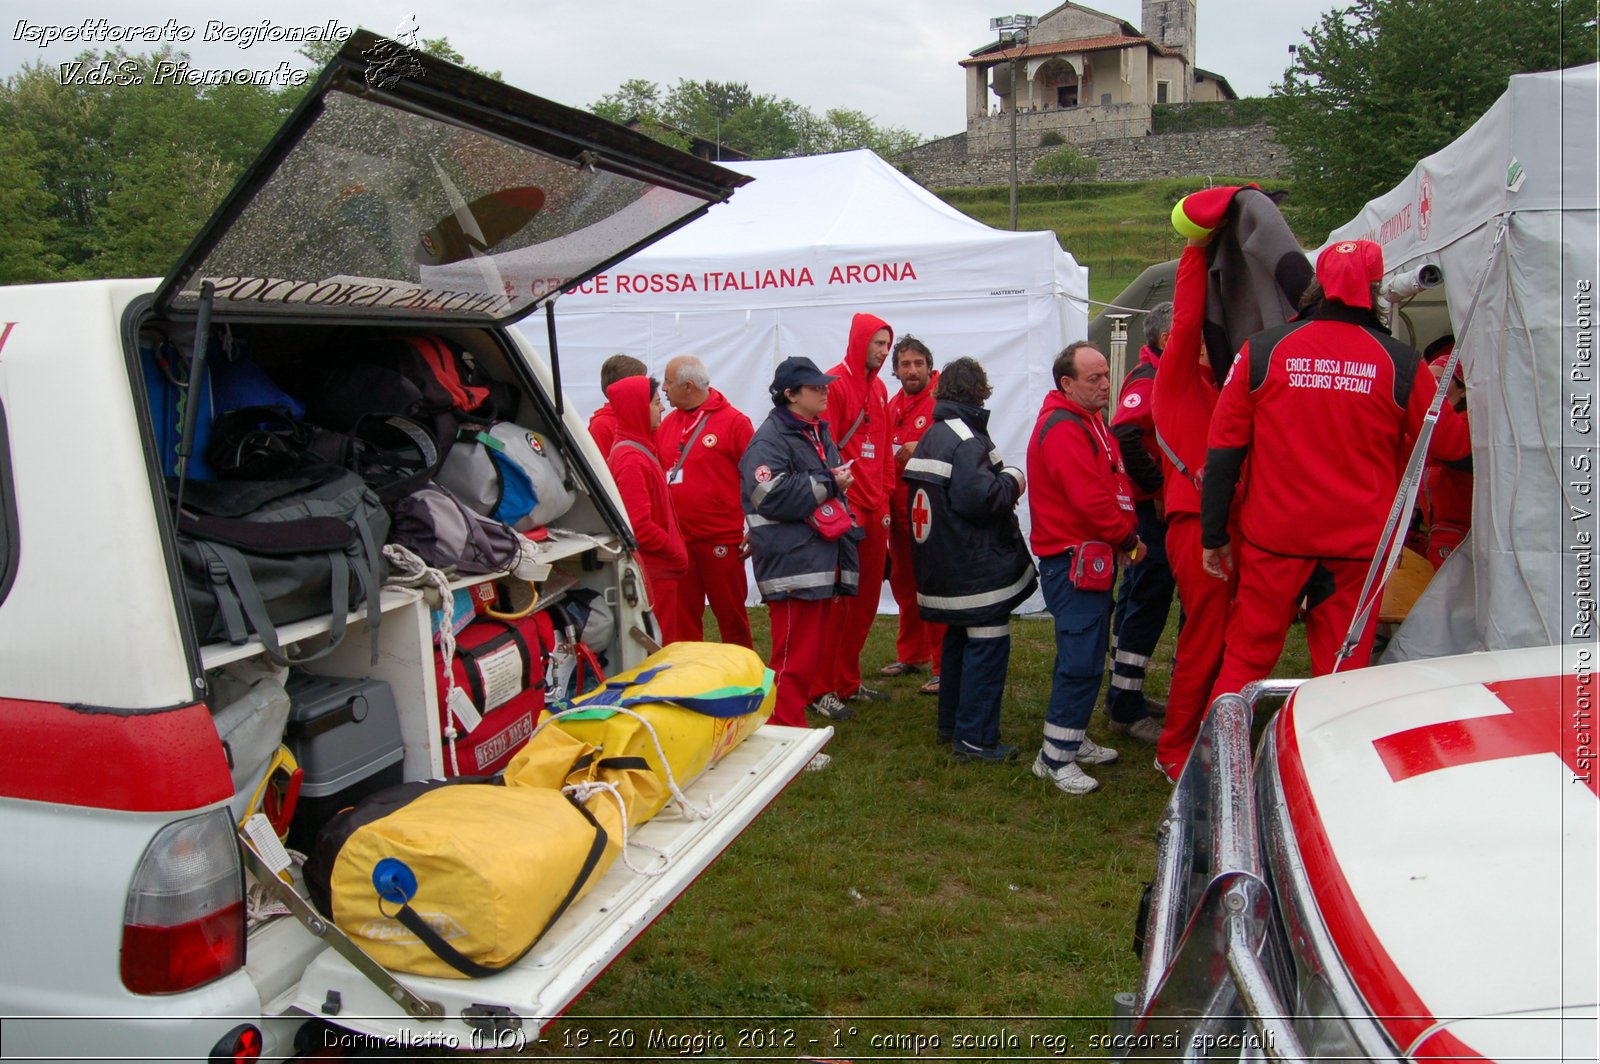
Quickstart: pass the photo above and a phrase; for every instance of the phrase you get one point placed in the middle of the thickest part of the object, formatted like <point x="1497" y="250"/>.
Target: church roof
<point x="997" y="52"/>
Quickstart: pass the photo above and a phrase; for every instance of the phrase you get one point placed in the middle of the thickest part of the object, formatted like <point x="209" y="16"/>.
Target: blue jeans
<point x="972" y="678"/>
<point x="1083" y="635"/>
<point x="1143" y="603"/>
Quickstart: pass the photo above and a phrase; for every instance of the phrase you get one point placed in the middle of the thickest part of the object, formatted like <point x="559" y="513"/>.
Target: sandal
<point x="931" y="687"/>
<point x="899" y="668"/>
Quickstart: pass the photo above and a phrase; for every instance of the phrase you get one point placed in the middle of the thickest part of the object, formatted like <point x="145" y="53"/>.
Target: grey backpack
<point x="441" y="530"/>
<point x="510" y="473"/>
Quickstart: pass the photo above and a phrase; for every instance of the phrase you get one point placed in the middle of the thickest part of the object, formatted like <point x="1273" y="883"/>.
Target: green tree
<point x="1064" y="166"/>
<point x="28" y="252"/>
<point x="128" y="168"/>
<point x="1382" y="83"/>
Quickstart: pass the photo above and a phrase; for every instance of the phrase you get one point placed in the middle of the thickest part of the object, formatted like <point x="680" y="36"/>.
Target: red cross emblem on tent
<point x="921" y="516"/>
<point x="1536" y="725"/>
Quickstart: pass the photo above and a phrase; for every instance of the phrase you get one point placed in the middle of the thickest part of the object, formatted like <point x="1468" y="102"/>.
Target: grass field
<point x="1116" y="229"/>
<point x="900" y="895"/>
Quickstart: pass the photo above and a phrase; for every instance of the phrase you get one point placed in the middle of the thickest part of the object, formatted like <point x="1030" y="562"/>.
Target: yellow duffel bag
<point x="455" y="879"/>
<point x="680" y="710"/>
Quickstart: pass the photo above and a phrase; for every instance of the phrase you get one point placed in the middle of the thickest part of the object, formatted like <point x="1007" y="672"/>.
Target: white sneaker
<point x="1092" y="753"/>
<point x="1069" y="778"/>
<point x="1145" y="729"/>
<point x="818" y="762"/>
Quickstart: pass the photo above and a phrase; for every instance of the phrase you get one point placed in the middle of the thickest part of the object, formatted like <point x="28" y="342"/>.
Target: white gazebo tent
<point x="1508" y="214"/>
<point x="779" y="270"/>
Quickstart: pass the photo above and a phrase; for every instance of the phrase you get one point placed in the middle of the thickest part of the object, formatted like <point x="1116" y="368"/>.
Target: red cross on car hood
<point x="1447" y="814"/>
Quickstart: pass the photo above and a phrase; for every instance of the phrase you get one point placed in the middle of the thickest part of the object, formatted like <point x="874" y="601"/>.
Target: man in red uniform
<point x="910" y="415"/>
<point x="1145" y="597"/>
<point x="1083" y="519"/>
<point x="603" y="422"/>
<point x="1447" y="486"/>
<point x="700" y="443"/>
<point x="1183" y="396"/>
<point x="1327" y="407"/>
<point x="858" y="417"/>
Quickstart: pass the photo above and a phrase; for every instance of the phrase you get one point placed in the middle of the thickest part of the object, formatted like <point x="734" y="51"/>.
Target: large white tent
<point x="780" y="269"/>
<point x="1508" y="213"/>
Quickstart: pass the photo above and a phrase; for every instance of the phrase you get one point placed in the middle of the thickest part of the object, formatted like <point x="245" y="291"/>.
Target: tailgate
<point x="592" y="933"/>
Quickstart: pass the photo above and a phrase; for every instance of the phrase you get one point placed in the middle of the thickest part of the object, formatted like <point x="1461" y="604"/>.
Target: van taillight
<point x="184" y="922"/>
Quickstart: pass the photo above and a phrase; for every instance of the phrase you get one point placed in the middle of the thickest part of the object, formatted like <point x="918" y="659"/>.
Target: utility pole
<point x="1013" y="30"/>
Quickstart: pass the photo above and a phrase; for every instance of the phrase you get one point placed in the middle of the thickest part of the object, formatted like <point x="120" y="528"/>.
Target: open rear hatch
<point x="407" y="191"/>
<point x="404" y="188"/>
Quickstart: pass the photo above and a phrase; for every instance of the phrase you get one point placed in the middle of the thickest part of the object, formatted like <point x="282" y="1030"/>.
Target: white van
<point x="123" y="882"/>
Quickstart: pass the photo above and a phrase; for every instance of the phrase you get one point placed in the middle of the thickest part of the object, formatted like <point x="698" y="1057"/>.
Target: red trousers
<point x="1199" y="654"/>
<point x="853" y="615"/>
<point x="919" y="642"/>
<point x="799" y="633"/>
<point x="664" y="604"/>
<point x="1263" y="607"/>
<point x="716" y="572"/>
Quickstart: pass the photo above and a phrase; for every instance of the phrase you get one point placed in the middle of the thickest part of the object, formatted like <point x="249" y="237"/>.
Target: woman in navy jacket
<point x="789" y="472"/>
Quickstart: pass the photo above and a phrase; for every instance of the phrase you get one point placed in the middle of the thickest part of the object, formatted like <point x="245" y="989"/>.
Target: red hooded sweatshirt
<point x="1078" y="490"/>
<point x="642" y="483"/>
<point x="856" y="393"/>
<point x="709" y="441"/>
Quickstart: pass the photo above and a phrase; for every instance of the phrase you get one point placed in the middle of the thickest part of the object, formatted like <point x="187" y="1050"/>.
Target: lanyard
<point x="688" y="441"/>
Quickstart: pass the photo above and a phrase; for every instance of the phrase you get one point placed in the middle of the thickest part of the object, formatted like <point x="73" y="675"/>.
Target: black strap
<point x="636" y="444"/>
<point x="470" y="655"/>
<point x="623" y="763"/>
<point x="860" y="417"/>
<point x="1177" y="463"/>
<point x="683" y="452"/>
<point x="1057" y="417"/>
<point x="472" y="969"/>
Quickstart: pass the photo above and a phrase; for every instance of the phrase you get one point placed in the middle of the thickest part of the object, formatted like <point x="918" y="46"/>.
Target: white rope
<point x="696" y="812"/>
<point x="414" y="572"/>
<point x="583" y="791"/>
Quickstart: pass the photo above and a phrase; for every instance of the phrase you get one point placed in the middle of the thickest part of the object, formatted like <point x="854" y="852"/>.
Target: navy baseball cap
<point x="797" y="372"/>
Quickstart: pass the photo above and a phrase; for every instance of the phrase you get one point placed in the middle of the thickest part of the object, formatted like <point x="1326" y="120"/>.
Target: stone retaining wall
<point x="1247" y="151"/>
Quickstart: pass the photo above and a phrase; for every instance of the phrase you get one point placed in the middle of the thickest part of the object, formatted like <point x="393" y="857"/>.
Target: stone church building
<point x="1092" y="80"/>
<point x="1088" y="76"/>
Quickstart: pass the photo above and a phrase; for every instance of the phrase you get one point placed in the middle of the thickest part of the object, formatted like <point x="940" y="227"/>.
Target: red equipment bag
<point x="499" y="671"/>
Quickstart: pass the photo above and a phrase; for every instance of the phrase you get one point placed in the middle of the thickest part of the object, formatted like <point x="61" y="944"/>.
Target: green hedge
<point x="1188" y="117"/>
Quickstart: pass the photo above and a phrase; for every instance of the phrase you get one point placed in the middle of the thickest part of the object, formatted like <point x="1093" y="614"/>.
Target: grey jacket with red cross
<point x="973" y="565"/>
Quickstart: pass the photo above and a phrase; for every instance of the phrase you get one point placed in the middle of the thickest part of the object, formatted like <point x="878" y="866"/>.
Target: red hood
<point x="630" y="402"/>
<point x="862" y="328"/>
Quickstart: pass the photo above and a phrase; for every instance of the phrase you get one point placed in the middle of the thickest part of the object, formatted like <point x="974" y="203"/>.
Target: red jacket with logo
<point x="854" y="392"/>
<point x="1327" y="408"/>
<point x="1077" y="488"/>
<point x="1135" y="429"/>
<point x="1184" y="392"/>
<point x="710" y="441"/>
<point x="910" y="416"/>
<point x="642" y="484"/>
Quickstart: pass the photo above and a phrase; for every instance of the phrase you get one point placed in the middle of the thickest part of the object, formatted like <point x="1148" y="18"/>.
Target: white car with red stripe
<point x="1408" y="872"/>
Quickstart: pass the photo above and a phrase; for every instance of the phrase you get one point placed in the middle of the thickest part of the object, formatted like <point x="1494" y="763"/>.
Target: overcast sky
<point x="894" y="60"/>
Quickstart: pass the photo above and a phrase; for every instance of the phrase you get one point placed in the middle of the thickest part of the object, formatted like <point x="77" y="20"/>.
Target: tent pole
<point x="1392" y="542"/>
<point x="555" y="356"/>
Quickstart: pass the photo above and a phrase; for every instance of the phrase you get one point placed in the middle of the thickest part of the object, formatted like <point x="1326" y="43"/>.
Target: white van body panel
<point x="90" y="618"/>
